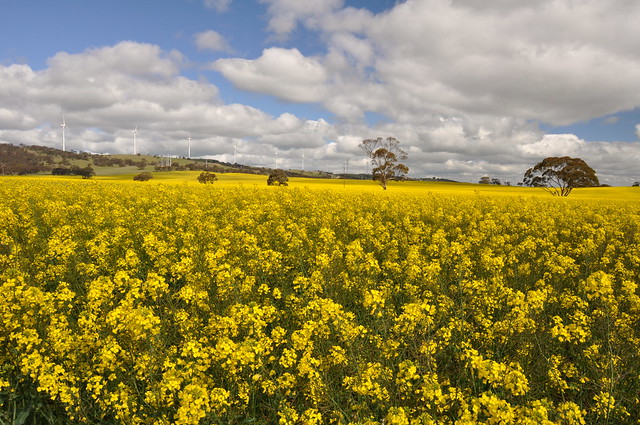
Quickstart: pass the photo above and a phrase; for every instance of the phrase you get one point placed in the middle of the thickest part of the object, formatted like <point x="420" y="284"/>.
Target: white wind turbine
<point x="63" y="125"/>
<point x="235" y="149"/>
<point x="135" y="131"/>
<point x="189" y="141"/>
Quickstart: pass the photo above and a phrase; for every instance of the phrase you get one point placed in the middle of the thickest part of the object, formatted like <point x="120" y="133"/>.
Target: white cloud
<point x="554" y="145"/>
<point x="15" y="120"/>
<point x="104" y="94"/>
<point x="285" y="14"/>
<point x="218" y="5"/>
<point x="128" y="57"/>
<point x="284" y="73"/>
<point x="211" y="40"/>
<point x="360" y="50"/>
<point x="544" y="61"/>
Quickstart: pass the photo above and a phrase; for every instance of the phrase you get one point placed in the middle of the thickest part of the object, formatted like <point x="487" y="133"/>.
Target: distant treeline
<point x="109" y="161"/>
<point x="21" y="160"/>
<point x="86" y="172"/>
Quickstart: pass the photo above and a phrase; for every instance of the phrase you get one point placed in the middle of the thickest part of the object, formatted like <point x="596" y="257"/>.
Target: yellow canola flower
<point x="151" y="304"/>
<point x="498" y="374"/>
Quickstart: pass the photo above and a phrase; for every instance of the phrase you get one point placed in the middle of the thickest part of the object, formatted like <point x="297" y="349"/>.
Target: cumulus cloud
<point x="285" y="14"/>
<point x="211" y="40"/>
<point x="128" y="57"/>
<point x="106" y="92"/>
<point x="218" y="5"/>
<point x="481" y="61"/>
<point x="289" y="132"/>
<point x="554" y="145"/>
<point x="284" y="73"/>
<point x="545" y="61"/>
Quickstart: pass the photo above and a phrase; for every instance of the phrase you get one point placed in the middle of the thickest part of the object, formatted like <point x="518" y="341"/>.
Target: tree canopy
<point x="385" y="155"/>
<point x="278" y="177"/>
<point x="143" y="177"/>
<point x="560" y="175"/>
<point x="207" y="178"/>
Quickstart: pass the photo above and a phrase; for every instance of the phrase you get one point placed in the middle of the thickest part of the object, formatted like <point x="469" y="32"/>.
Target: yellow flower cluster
<point x="217" y="305"/>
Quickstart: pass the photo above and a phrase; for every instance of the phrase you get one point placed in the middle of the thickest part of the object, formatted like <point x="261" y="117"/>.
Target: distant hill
<point x="22" y="160"/>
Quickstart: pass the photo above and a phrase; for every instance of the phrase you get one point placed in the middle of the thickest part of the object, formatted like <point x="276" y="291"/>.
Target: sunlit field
<point x="347" y="185"/>
<point x="327" y="301"/>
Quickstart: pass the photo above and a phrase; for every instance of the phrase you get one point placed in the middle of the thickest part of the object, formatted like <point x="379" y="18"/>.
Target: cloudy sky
<point x="470" y="88"/>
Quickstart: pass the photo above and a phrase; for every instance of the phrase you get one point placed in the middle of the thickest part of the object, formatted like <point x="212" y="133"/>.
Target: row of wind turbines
<point x="135" y="147"/>
<point x="235" y="147"/>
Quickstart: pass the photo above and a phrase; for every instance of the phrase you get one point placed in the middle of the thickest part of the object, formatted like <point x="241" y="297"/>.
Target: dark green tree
<point x="385" y="155"/>
<point x="560" y="175"/>
<point x="86" y="172"/>
<point x="142" y="164"/>
<point x="207" y="178"/>
<point x="143" y="177"/>
<point x="278" y="177"/>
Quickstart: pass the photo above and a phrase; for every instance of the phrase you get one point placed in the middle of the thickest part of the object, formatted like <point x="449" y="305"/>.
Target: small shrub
<point x="143" y="177"/>
<point x="278" y="178"/>
<point x="86" y="172"/>
<point x="207" y="178"/>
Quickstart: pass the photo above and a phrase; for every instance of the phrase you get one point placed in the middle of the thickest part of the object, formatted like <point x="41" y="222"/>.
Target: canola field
<point x="136" y="303"/>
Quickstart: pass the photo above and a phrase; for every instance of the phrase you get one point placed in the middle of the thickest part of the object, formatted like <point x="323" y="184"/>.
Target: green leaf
<point x="22" y="416"/>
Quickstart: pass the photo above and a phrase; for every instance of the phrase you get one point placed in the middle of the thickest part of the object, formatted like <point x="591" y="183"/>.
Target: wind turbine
<point x="189" y="140"/>
<point x="235" y="149"/>
<point x="276" y="160"/>
<point x="302" y="162"/>
<point x="135" y="131"/>
<point x="63" y="125"/>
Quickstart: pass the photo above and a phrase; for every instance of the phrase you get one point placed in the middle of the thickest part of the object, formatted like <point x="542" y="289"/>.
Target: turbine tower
<point x="302" y="162"/>
<point x="235" y="150"/>
<point x="135" y="131"/>
<point x="276" y="160"/>
<point x="189" y="140"/>
<point x="63" y="125"/>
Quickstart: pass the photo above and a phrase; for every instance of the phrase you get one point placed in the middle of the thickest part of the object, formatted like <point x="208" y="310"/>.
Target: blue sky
<point x="469" y="90"/>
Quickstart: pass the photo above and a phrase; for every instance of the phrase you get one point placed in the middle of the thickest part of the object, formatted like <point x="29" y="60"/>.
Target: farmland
<point x="328" y="301"/>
